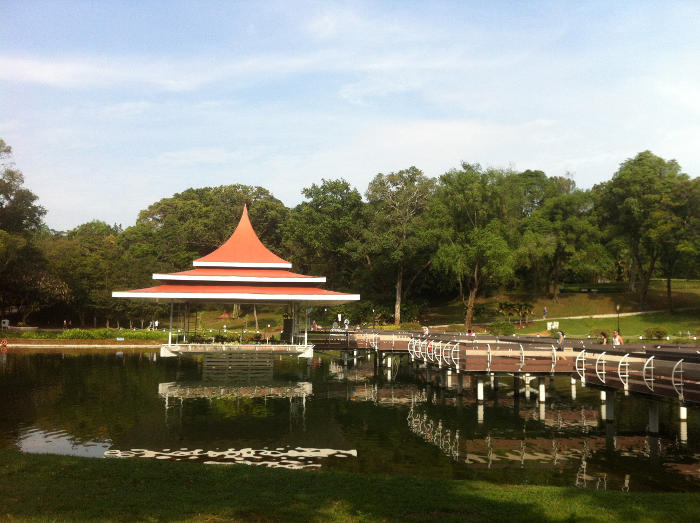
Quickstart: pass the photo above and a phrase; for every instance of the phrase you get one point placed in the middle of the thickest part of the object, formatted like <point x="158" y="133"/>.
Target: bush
<point x="39" y="335"/>
<point x="655" y="333"/>
<point x="105" y="334"/>
<point x="408" y="326"/>
<point x="199" y="338"/>
<point x="501" y="328"/>
<point x="226" y="338"/>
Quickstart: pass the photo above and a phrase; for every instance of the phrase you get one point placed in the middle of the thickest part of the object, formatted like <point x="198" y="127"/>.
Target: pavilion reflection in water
<point x="236" y="376"/>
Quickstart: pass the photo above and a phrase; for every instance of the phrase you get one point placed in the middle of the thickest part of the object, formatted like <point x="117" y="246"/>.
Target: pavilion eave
<point x="247" y="298"/>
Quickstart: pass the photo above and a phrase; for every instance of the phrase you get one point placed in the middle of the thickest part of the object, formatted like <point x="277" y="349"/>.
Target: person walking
<point x="617" y="339"/>
<point x="560" y="341"/>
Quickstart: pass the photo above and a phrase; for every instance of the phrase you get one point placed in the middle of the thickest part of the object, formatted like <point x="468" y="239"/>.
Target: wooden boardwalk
<point x="645" y="368"/>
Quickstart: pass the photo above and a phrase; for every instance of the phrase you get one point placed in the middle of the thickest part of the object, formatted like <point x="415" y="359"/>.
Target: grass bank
<point x="575" y="300"/>
<point x="677" y="325"/>
<point x="47" y="487"/>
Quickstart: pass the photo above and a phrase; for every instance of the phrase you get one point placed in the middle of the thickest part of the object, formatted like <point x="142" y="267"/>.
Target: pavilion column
<point x="295" y="329"/>
<point x="185" y="322"/>
<point x="170" y="333"/>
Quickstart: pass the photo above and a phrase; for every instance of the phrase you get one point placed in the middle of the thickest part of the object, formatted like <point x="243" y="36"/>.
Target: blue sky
<point x="110" y="106"/>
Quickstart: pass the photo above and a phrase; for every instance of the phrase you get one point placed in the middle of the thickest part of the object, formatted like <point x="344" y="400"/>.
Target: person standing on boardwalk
<point x="604" y="338"/>
<point x="544" y="313"/>
<point x="617" y="339"/>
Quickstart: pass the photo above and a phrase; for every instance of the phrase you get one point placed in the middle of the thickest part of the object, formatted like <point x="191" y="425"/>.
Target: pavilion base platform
<point x="174" y="350"/>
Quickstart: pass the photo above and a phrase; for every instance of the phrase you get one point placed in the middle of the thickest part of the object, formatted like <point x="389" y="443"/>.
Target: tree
<point x="628" y="207"/>
<point x="396" y="243"/>
<point x="86" y="259"/>
<point x="676" y="229"/>
<point x="194" y="223"/>
<point x="25" y="285"/>
<point x="322" y="233"/>
<point x="565" y="224"/>
<point x="19" y="213"/>
<point x="471" y="210"/>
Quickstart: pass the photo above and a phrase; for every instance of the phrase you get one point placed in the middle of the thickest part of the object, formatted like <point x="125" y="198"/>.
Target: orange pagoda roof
<point x="242" y="270"/>
<point x="243" y="249"/>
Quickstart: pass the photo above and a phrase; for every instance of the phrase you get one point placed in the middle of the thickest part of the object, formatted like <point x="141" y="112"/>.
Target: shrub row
<point x="105" y="334"/>
<point x="501" y="328"/>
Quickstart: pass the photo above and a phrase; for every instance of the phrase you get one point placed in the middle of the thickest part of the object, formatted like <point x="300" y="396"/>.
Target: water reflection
<point x="281" y="457"/>
<point x="350" y="413"/>
<point x="59" y="442"/>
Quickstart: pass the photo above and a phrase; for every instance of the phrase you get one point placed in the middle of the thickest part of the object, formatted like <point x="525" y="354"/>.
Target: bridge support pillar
<point x="608" y="403"/>
<point x="516" y="385"/>
<point x="494" y="382"/>
<point x="460" y="383"/>
<point x="684" y="424"/>
<point x="480" y="390"/>
<point x="480" y="413"/>
<point x="449" y="379"/>
<point x="654" y="418"/>
<point x="573" y="388"/>
<point x="527" y="386"/>
<point x="541" y="397"/>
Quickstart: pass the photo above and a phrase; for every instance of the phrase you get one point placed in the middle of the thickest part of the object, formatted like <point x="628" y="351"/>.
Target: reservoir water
<point x="323" y="414"/>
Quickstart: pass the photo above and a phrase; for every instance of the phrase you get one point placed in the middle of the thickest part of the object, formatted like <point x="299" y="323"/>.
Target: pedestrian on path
<point x="617" y="339"/>
<point x="560" y="341"/>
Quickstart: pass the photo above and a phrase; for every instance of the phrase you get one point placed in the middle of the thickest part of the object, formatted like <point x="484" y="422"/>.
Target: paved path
<point x="614" y="315"/>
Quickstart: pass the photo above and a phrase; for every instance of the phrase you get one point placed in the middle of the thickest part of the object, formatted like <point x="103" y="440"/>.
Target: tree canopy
<point x="409" y="239"/>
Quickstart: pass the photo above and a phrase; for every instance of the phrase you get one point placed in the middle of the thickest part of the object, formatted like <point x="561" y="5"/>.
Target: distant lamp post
<point x="374" y="319"/>
<point x="618" y="317"/>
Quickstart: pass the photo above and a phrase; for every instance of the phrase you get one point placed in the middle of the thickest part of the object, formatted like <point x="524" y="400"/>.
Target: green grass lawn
<point x="61" y="488"/>
<point x="209" y="319"/>
<point x="686" y="293"/>
<point x="677" y="325"/>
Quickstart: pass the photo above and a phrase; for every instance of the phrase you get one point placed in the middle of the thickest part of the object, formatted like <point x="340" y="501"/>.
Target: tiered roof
<point x="241" y="270"/>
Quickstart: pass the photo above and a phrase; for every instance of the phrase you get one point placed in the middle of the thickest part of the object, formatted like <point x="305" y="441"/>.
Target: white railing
<point x="623" y="371"/>
<point x="601" y="375"/>
<point x="580" y="365"/>
<point x="649" y="382"/>
<point x="678" y="388"/>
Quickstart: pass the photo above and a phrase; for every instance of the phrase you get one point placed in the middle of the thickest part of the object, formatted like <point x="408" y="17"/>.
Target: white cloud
<point x="127" y="110"/>
<point x="198" y="156"/>
<point x="91" y="73"/>
<point x="7" y="126"/>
